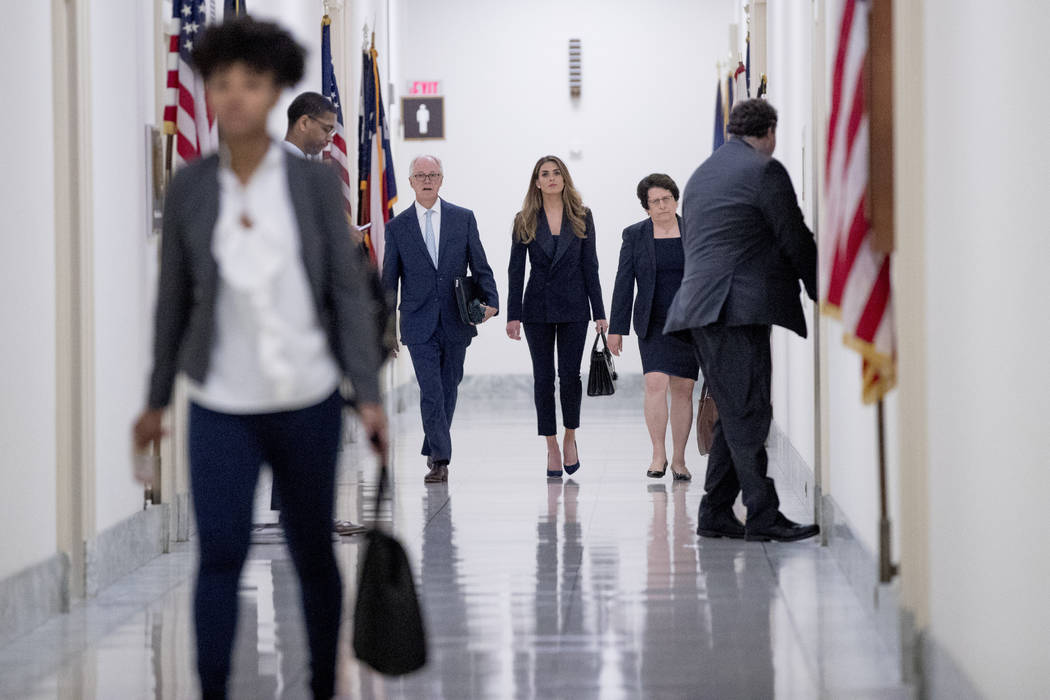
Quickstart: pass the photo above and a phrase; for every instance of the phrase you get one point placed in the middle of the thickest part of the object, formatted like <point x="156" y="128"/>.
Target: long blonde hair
<point x="525" y="220"/>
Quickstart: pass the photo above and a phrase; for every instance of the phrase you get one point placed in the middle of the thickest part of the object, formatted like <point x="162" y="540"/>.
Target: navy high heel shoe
<point x="553" y="473"/>
<point x="573" y="468"/>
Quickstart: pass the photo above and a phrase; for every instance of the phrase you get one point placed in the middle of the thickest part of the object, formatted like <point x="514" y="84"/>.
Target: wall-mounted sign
<point x="424" y="87"/>
<point x="423" y="117"/>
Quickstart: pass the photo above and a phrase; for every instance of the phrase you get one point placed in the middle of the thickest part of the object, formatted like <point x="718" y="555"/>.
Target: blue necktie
<point x="428" y="236"/>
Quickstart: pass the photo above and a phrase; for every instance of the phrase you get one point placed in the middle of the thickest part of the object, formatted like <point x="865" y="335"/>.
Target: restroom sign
<point x="423" y="117"/>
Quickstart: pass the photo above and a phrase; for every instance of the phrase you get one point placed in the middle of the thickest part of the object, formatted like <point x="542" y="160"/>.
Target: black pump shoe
<point x="552" y="473"/>
<point x="653" y="474"/>
<point x="573" y="468"/>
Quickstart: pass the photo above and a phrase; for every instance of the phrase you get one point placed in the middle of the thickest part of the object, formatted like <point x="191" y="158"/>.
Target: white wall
<point x="27" y="287"/>
<point x="988" y="331"/>
<point x="121" y="106"/>
<point x="647" y="105"/>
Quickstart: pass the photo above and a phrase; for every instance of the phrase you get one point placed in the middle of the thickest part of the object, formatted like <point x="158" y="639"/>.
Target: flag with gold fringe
<point x="855" y="278"/>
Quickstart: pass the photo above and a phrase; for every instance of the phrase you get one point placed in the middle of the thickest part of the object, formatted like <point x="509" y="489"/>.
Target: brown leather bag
<point x="706" y="416"/>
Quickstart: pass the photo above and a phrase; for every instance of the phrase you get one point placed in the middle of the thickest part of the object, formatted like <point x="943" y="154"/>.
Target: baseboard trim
<point x="126" y="546"/>
<point x="31" y="596"/>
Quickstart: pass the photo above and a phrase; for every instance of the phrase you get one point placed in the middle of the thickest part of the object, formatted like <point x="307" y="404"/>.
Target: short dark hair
<point x="264" y="46"/>
<point x="655" y="180"/>
<point x="310" y="104"/>
<point x="752" y="118"/>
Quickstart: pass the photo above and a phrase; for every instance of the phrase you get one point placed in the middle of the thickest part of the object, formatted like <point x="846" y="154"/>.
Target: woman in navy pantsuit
<point x="556" y="233"/>
<point x="652" y="256"/>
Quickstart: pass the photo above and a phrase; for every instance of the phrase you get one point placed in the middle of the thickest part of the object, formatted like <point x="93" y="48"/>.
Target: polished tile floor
<point x="591" y="587"/>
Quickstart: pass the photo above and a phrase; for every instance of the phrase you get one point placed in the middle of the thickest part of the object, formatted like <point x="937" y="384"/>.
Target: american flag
<point x="186" y="114"/>
<point x="377" y="190"/>
<point x="855" y="277"/>
<point x="330" y="88"/>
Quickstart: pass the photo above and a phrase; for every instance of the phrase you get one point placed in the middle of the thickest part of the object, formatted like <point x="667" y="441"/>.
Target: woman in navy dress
<point x="555" y="231"/>
<point x="652" y="257"/>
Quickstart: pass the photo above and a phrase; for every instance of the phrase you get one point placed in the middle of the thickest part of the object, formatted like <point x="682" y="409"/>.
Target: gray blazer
<point x="746" y="245"/>
<point x="185" y="316"/>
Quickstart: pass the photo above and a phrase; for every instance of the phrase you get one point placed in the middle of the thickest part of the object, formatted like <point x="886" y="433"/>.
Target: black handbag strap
<point x="605" y="342"/>
<point x="382" y="486"/>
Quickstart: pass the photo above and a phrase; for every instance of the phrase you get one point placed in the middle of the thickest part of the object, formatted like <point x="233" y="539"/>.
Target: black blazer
<point x="637" y="265"/>
<point x="746" y="245"/>
<point x="563" y="276"/>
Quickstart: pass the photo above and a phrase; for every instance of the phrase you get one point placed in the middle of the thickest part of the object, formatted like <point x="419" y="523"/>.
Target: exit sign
<point x="423" y="87"/>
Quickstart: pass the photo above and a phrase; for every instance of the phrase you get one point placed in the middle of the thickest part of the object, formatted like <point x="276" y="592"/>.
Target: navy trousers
<point x="439" y="369"/>
<point x="570" y="339"/>
<point x="226" y="451"/>
<point x="738" y="369"/>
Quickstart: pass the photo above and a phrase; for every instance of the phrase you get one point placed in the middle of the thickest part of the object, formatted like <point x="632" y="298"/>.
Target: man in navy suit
<point x="428" y="246"/>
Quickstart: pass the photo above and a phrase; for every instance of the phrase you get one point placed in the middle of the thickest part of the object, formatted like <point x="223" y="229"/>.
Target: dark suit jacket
<point x="746" y="245"/>
<point x="637" y="264"/>
<point x="562" y="279"/>
<point x="189" y="275"/>
<point x="427" y="293"/>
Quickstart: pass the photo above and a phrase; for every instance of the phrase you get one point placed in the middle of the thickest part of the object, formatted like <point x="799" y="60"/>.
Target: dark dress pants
<point x="570" y="339"/>
<point x="738" y="368"/>
<point x="439" y="369"/>
<point x="226" y="451"/>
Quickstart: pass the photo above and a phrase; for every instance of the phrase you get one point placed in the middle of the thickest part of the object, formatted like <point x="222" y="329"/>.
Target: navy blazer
<point x="637" y="264"/>
<point x="746" y="245"/>
<point x="563" y="275"/>
<point x="428" y="294"/>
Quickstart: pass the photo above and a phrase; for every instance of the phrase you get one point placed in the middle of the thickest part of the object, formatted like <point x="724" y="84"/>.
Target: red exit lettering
<point x="424" y="87"/>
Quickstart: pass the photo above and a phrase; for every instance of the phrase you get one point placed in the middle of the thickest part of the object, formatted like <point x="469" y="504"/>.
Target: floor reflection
<point x="592" y="588"/>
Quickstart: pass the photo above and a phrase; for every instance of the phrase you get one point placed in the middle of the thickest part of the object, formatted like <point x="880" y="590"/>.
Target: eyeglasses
<point x="661" y="201"/>
<point x="424" y="177"/>
<point x="329" y="129"/>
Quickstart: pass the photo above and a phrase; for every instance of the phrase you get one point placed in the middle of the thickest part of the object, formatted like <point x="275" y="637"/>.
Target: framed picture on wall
<point x="423" y="118"/>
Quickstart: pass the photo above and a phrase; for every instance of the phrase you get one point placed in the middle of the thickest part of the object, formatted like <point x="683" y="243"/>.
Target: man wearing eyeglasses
<point x="311" y="125"/>
<point x="428" y="246"/>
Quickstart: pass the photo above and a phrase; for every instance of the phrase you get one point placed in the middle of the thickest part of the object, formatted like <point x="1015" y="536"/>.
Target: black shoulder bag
<point x="388" y="622"/>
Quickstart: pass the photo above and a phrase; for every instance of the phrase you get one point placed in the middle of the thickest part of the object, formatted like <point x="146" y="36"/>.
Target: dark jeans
<point x="226" y="451"/>
<point x="738" y="369"/>
<point x="438" y="364"/>
<point x="570" y="339"/>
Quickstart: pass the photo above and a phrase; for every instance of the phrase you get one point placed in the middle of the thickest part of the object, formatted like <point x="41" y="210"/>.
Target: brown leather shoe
<point x="437" y="474"/>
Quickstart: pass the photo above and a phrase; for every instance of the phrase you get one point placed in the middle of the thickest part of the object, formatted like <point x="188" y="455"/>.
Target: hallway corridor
<point x="596" y="587"/>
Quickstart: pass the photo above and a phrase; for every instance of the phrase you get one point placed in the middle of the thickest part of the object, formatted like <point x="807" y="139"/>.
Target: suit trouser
<point x="738" y="369"/>
<point x="570" y="339"/>
<point x="439" y="369"/>
<point x="226" y="451"/>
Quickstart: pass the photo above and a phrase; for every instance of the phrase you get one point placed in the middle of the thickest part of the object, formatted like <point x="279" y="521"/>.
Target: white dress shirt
<point x="435" y="221"/>
<point x="296" y="151"/>
<point x="269" y="351"/>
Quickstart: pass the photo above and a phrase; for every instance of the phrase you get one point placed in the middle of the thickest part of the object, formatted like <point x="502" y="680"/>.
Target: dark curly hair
<point x="655" y="180"/>
<point x="264" y="46"/>
<point x="752" y="118"/>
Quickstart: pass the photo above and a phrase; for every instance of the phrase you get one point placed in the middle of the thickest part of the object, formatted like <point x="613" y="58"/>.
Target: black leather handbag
<point x="602" y="378"/>
<point x="388" y="622"/>
<point x="471" y="307"/>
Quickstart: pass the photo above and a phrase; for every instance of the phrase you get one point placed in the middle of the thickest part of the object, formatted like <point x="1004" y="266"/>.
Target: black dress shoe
<point x="782" y="530"/>
<point x="437" y="473"/>
<point x="723" y="524"/>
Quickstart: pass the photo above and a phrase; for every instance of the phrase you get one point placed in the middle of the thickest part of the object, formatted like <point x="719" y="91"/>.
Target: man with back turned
<point x="746" y="249"/>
